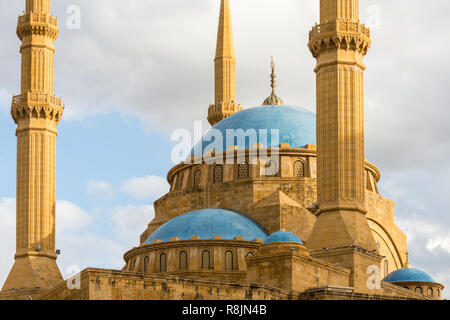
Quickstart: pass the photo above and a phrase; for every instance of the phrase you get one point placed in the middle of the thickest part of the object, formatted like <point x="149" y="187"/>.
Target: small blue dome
<point x="408" y="274"/>
<point x="282" y="236"/>
<point x="208" y="223"/>
<point x="296" y="126"/>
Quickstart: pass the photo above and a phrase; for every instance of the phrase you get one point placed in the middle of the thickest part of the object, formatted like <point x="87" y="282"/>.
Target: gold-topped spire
<point x="273" y="99"/>
<point x="224" y="69"/>
<point x="407" y="264"/>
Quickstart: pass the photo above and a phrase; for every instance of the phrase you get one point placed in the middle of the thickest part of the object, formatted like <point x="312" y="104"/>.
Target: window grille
<point x="299" y="169"/>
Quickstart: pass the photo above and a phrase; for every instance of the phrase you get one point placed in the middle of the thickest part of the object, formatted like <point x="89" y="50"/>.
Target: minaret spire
<point x="225" y="44"/>
<point x="273" y="99"/>
<point x="37" y="112"/>
<point x="224" y="69"/>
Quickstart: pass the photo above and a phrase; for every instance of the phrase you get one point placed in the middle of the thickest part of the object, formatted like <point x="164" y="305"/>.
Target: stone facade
<point x="280" y="201"/>
<point x="324" y="196"/>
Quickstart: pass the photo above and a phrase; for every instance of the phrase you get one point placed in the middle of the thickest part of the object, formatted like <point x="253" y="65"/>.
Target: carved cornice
<point x="37" y="106"/>
<point x="345" y="35"/>
<point x="37" y="24"/>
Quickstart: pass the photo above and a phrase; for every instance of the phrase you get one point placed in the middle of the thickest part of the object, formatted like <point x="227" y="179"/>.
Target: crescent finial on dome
<point x="273" y="99"/>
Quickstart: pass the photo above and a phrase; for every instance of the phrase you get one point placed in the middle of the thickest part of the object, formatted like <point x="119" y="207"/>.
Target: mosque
<point x="291" y="215"/>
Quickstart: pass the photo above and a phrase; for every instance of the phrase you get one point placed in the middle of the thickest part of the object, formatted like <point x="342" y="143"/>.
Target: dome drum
<point x="182" y="176"/>
<point x="214" y="259"/>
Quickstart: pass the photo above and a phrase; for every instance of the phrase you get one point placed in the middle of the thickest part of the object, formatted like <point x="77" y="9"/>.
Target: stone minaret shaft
<point x="37" y="112"/>
<point x="339" y="44"/>
<point x="341" y="233"/>
<point x="225" y="70"/>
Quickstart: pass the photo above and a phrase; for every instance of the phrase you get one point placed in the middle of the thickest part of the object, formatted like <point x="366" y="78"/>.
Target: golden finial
<point x="407" y="264"/>
<point x="273" y="99"/>
<point x="273" y="75"/>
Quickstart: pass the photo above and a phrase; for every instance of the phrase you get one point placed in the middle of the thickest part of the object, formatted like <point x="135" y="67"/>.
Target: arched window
<point x="271" y="168"/>
<point x="197" y="177"/>
<point x="243" y="171"/>
<point x="183" y="263"/>
<point x="206" y="260"/>
<point x="419" y="290"/>
<point x="134" y="264"/>
<point x="430" y="292"/>
<point x="146" y="261"/>
<point x="386" y="267"/>
<point x="299" y="169"/>
<point x="229" y="260"/>
<point x="163" y="262"/>
<point x="218" y="174"/>
<point x="438" y="292"/>
<point x="250" y="254"/>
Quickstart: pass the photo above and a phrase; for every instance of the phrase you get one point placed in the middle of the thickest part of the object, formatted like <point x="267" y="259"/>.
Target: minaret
<point x="225" y="70"/>
<point x="339" y="44"/>
<point x="37" y="112"/>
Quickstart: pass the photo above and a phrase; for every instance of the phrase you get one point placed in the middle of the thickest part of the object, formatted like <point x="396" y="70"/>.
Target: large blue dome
<point x="296" y="126"/>
<point x="208" y="223"/>
<point x="408" y="274"/>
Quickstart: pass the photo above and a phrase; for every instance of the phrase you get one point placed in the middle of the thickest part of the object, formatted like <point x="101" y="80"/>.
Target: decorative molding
<point x="37" y="106"/>
<point x="345" y="35"/>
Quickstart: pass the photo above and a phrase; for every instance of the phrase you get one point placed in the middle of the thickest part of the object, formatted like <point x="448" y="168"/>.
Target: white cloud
<point x="429" y="248"/>
<point x="7" y="236"/>
<point x="415" y="228"/>
<point x="84" y="241"/>
<point x="146" y="187"/>
<point x="441" y="241"/>
<point x="434" y="236"/>
<point x="89" y="250"/>
<point x="131" y="221"/>
<point x="101" y="189"/>
<point x="392" y="189"/>
<point x="5" y="99"/>
<point x="70" y="218"/>
<point x="79" y="245"/>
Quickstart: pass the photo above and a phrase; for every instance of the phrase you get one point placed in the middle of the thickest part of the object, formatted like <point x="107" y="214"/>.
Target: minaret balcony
<point x="346" y="35"/>
<point x="339" y="27"/>
<point x="37" y="105"/>
<point x="37" y="24"/>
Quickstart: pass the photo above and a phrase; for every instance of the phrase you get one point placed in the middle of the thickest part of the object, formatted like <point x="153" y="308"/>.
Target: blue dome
<point x="408" y="274"/>
<point x="296" y="126"/>
<point x="282" y="236"/>
<point x="208" y="223"/>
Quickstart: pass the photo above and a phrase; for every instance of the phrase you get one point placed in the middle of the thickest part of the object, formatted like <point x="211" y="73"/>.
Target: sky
<point x="132" y="72"/>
